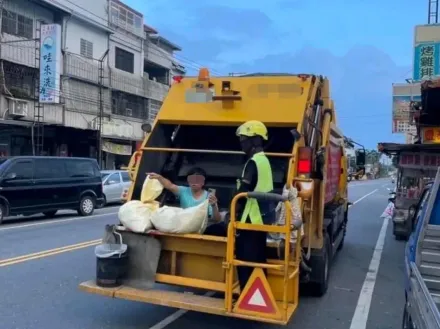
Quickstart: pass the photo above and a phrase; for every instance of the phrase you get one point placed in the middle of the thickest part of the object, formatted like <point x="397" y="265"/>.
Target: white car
<point x="114" y="182"/>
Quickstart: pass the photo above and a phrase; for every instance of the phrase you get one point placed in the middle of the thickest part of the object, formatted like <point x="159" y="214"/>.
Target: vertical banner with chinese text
<point x="50" y="63"/>
<point x="426" y="61"/>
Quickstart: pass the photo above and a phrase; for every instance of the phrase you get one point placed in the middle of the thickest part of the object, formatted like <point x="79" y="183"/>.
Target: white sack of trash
<point x="146" y="214"/>
<point x="178" y="220"/>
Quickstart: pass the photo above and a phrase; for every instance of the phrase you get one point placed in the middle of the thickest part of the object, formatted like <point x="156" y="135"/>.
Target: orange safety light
<point x="303" y="77"/>
<point x="203" y="74"/>
<point x="305" y="160"/>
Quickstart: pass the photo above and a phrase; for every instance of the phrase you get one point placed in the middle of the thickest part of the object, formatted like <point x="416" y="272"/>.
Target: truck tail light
<point x="304" y="160"/>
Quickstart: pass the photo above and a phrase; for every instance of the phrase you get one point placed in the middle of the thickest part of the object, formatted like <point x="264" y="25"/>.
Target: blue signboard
<point x="50" y="63"/>
<point x="426" y="61"/>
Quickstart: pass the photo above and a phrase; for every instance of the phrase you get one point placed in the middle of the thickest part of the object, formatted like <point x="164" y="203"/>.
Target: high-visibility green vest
<point x="264" y="184"/>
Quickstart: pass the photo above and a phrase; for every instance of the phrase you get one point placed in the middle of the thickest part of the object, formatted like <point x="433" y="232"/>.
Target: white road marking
<point x="175" y="316"/>
<point x="366" y="195"/>
<point x="362" y="310"/>
<point x="56" y="221"/>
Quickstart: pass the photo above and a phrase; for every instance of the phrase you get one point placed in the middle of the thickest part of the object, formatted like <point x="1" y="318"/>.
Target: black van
<point x="31" y="185"/>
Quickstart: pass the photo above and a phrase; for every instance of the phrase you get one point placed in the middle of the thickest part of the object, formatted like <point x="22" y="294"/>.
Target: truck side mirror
<point x="360" y="158"/>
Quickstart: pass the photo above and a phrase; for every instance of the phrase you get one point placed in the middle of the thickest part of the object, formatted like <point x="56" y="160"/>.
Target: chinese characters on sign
<point x="426" y="61"/>
<point x="50" y="63"/>
<point x="414" y="160"/>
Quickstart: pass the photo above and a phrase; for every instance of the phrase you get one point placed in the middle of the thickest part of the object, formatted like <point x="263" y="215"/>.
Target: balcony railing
<point x="19" y="50"/>
<point x="156" y="55"/>
<point x="140" y="86"/>
<point x="84" y="68"/>
<point x="157" y="90"/>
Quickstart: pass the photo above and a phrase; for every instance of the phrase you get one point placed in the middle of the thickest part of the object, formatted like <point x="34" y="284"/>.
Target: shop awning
<point x="395" y="148"/>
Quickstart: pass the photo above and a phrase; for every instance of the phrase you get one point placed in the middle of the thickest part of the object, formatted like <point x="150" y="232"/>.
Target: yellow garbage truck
<point x="196" y="125"/>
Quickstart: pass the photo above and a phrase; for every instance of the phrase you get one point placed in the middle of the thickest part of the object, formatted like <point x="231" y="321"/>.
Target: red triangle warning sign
<point x="257" y="296"/>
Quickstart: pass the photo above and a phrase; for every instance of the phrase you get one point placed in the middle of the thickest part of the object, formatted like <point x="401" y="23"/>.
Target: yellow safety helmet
<point x="252" y="128"/>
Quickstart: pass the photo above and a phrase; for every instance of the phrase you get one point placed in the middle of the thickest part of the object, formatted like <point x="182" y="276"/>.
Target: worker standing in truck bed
<point x="256" y="177"/>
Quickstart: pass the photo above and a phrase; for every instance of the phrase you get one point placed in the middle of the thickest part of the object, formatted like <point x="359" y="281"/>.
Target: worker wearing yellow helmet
<point x="256" y="177"/>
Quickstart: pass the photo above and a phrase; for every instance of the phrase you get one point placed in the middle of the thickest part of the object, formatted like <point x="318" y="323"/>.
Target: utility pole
<point x="101" y="106"/>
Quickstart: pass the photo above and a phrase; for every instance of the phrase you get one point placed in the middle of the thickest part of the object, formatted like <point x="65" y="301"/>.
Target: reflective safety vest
<point x="264" y="184"/>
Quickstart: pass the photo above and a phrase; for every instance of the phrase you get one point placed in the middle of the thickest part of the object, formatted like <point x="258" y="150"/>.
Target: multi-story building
<point x="113" y="73"/>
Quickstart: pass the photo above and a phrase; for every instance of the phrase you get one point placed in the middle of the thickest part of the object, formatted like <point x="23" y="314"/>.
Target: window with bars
<point x="86" y="48"/>
<point x="123" y="17"/>
<point x="129" y="105"/>
<point x="16" y="24"/>
<point x="124" y="60"/>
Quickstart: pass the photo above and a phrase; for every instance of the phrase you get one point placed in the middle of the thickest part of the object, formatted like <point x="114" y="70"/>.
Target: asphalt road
<point x="42" y="292"/>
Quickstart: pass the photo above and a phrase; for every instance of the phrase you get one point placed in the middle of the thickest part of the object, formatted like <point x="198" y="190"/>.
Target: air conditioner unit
<point x="129" y="112"/>
<point x="18" y="108"/>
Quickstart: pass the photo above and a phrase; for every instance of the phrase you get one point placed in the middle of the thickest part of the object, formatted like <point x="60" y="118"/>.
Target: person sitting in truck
<point x="194" y="194"/>
<point x="256" y="177"/>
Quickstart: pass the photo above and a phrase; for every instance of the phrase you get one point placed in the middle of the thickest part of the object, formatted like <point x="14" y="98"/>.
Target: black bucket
<point x="111" y="271"/>
<point x="111" y="263"/>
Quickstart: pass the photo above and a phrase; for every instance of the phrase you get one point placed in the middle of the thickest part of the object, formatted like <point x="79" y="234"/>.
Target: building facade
<point x="113" y="74"/>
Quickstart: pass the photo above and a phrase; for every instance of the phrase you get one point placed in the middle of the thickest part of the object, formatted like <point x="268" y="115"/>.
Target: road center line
<point x="47" y="222"/>
<point x="362" y="310"/>
<point x="47" y="253"/>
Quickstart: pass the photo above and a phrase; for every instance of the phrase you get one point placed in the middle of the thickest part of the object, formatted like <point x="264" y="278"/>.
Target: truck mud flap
<point x="143" y="258"/>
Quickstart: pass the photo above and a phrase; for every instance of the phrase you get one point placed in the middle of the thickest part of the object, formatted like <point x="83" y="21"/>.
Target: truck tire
<point x="400" y="237"/>
<point x="344" y="232"/>
<point x="320" y="264"/>
<point x="407" y="322"/>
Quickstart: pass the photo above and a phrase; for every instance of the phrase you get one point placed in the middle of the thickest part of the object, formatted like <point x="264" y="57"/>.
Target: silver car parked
<point x="114" y="182"/>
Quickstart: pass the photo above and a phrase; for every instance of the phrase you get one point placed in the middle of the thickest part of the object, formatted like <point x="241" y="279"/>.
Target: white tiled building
<point x="136" y="69"/>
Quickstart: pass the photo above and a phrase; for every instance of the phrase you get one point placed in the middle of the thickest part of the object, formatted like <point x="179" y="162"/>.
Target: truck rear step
<point x="433" y="231"/>
<point x="430" y="269"/>
<point x="181" y="300"/>
<point x="436" y="297"/>
<point x="431" y="256"/>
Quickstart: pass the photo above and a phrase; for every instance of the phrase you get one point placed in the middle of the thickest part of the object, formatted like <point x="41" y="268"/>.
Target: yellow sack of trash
<point x="151" y="189"/>
<point x="136" y="215"/>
